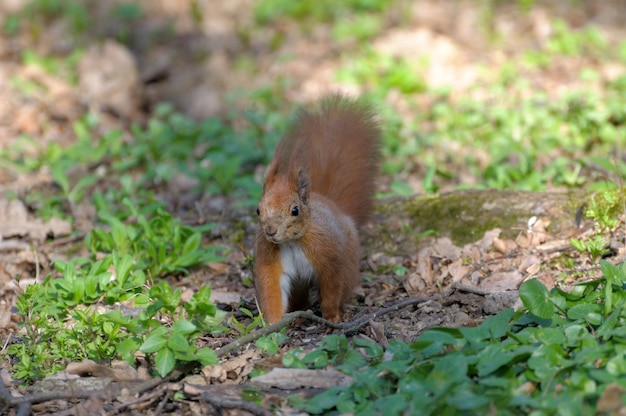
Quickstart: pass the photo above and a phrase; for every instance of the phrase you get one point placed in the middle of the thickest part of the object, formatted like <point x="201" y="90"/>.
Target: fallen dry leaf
<point x="611" y="399"/>
<point x="225" y="297"/>
<point x="5" y="311"/>
<point x="119" y="370"/>
<point x="377" y="330"/>
<point x="414" y="283"/>
<point x="458" y="270"/>
<point x="230" y="371"/>
<point x="502" y="281"/>
<point x="537" y="232"/>
<point x="504" y="246"/>
<point x="109" y="78"/>
<point x="15" y="222"/>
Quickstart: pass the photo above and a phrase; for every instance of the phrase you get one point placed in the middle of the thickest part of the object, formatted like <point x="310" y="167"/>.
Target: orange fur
<point x="318" y="189"/>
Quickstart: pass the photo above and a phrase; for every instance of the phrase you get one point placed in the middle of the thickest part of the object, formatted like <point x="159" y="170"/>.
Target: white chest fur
<point x="295" y="267"/>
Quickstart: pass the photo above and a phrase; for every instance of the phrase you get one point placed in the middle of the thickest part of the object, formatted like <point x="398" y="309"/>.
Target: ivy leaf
<point x="536" y="298"/>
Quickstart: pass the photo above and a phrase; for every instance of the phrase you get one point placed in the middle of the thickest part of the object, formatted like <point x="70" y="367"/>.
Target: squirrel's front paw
<point x="333" y="316"/>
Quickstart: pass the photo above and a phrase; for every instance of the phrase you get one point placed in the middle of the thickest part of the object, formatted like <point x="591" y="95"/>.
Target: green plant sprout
<point x="596" y="246"/>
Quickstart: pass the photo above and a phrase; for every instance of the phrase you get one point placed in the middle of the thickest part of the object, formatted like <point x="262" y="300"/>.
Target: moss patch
<point x="465" y="216"/>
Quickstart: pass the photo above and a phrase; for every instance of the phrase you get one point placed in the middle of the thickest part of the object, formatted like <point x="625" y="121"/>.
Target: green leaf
<point x="578" y="244"/>
<point x="545" y="335"/>
<point x="128" y="345"/>
<point x="368" y="348"/>
<point x="498" y="325"/>
<point x="465" y="399"/>
<point x="611" y="322"/>
<point x="616" y="365"/>
<point x="192" y="243"/>
<point x="292" y="359"/>
<point x="267" y="344"/>
<point x="547" y="360"/>
<point x="59" y="175"/>
<point x="536" y="298"/>
<point x="165" y="361"/>
<point x="333" y="343"/>
<point x="123" y="265"/>
<point x="127" y="348"/>
<point x="492" y="358"/>
<point x="206" y="356"/>
<point x="582" y="311"/>
<point x="325" y="401"/>
<point x="188" y="259"/>
<point x="394" y="404"/>
<point x="156" y="341"/>
<point x="613" y="274"/>
<point x="316" y="358"/>
<point x="184" y="327"/>
<point x="177" y="342"/>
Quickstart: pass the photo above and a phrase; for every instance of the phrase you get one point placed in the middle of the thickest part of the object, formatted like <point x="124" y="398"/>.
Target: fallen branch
<point x="471" y="289"/>
<point x="224" y="403"/>
<point x="348" y="327"/>
<point x="24" y="404"/>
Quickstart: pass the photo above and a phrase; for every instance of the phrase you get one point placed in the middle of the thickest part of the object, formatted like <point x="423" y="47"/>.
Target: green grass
<point x="508" y="139"/>
<point x="316" y="11"/>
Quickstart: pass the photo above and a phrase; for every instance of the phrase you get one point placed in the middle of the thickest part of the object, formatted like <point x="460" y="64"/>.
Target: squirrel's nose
<point x="270" y="231"/>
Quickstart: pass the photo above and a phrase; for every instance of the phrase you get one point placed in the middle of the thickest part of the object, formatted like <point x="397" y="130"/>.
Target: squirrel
<point x="318" y="189"/>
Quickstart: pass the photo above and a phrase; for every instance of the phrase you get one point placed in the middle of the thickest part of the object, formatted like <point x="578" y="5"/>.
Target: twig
<point x="224" y="403"/>
<point x="91" y="402"/>
<point x="6" y="401"/>
<point x="80" y="394"/>
<point x="66" y="240"/>
<point x="163" y="402"/>
<point x="149" y="384"/>
<point x="24" y="409"/>
<point x="348" y="327"/>
<point x="471" y="289"/>
<point x="148" y="397"/>
<point x="253" y="336"/>
<point x="37" y="264"/>
<point x="47" y="396"/>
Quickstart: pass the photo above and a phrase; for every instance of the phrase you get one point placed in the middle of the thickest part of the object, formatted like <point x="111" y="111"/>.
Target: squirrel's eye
<point x="257" y="211"/>
<point x="294" y="211"/>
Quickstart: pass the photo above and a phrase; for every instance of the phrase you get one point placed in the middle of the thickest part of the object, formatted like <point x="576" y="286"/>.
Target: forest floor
<point x="197" y="67"/>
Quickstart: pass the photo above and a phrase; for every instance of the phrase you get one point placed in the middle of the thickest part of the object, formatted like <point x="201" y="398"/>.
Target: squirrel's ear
<point x="303" y="186"/>
<point x="270" y="175"/>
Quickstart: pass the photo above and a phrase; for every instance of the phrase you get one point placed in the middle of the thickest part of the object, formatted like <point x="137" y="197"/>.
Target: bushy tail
<point x="338" y="144"/>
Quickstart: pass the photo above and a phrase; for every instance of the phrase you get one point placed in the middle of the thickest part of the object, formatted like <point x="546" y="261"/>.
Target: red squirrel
<point x="318" y="189"/>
